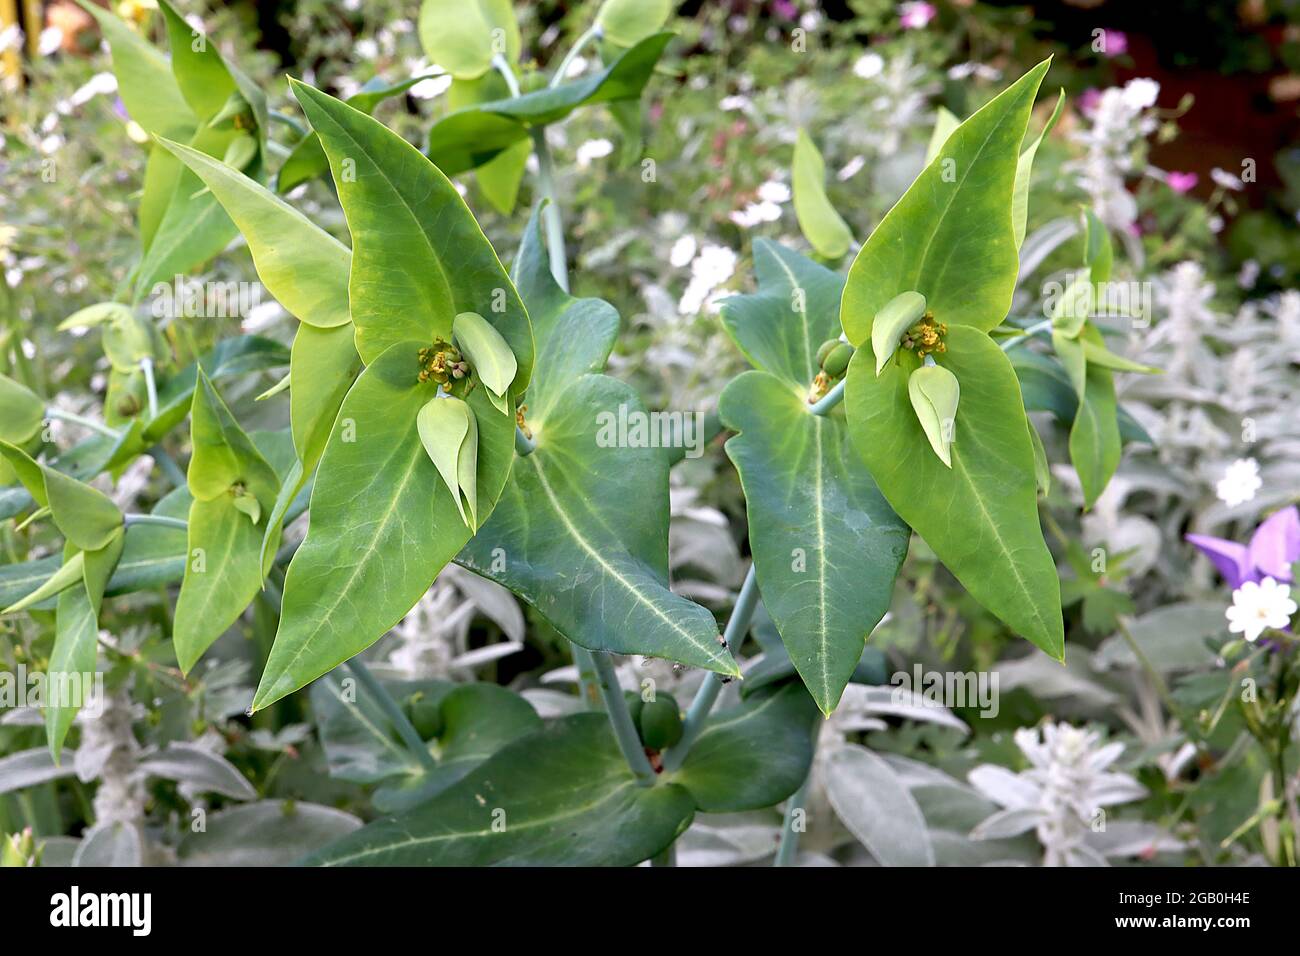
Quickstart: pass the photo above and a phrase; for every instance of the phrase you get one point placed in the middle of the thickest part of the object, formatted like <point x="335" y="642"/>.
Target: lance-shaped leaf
<point x="808" y="499"/>
<point x="627" y="22"/>
<point x="233" y="485"/>
<point x="307" y="160"/>
<point x="22" y="411"/>
<point x="76" y="639"/>
<point x="498" y="179"/>
<point x="780" y="327"/>
<point x="596" y="569"/>
<point x="1024" y="173"/>
<point x="1046" y="387"/>
<point x="488" y="353"/>
<point x="449" y="433"/>
<point x="935" y="394"/>
<point x="63" y="577"/>
<point x="462" y="36"/>
<point x="418" y="256"/>
<point x="945" y="121"/>
<point x="1094" y="434"/>
<point x="821" y="225"/>
<point x="811" y="504"/>
<point x="951" y="236"/>
<point x="561" y="797"/>
<point x="383" y="523"/>
<point x="985" y="526"/>
<point x="752" y="756"/>
<point x="85" y="516"/>
<point x="302" y="265"/>
<point x="468" y="138"/>
<point x="208" y="83"/>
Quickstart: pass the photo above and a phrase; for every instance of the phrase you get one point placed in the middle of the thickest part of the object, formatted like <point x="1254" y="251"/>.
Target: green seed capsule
<point x="838" y="360"/>
<point x="934" y="392"/>
<point x="660" y="722"/>
<point x="425" y="714"/>
<point x="897" y="316"/>
<point x="634" y="704"/>
<point x="826" y="348"/>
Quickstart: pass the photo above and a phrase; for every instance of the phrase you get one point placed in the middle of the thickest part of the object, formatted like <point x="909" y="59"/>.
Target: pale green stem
<point x="81" y="420"/>
<point x="830" y="399"/>
<point x="161" y="521"/>
<point x="150" y="386"/>
<point x="405" y="729"/>
<point x="523" y="444"/>
<point x="788" y="849"/>
<point x="168" y="465"/>
<point x="1027" y="334"/>
<point x="551" y="214"/>
<point x="593" y="33"/>
<point x="629" y="741"/>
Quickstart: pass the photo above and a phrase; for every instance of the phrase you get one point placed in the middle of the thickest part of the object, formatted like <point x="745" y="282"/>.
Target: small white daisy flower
<point x="1257" y="607"/>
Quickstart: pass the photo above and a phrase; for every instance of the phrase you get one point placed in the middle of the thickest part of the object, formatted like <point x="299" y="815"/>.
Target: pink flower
<point x="1113" y="43"/>
<point x="1181" y="182"/>
<point x="1088" y="100"/>
<point x="915" y="15"/>
<point x="785" y="9"/>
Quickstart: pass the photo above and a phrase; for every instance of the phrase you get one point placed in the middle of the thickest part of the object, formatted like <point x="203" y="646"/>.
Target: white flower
<point x="851" y="168"/>
<point x="711" y="268"/>
<point x="1060" y="796"/>
<point x="11" y="38"/>
<point x="1239" y="483"/>
<point x="755" y="213"/>
<point x="593" y="149"/>
<point x="577" y="67"/>
<point x="50" y="41"/>
<point x="731" y="103"/>
<point x="869" y="65"/>
<point x="1256" y="607"/>
<point x="433" y="87"/>
<point x="1141" y="93"/>
<point x="774" y="191"/>
<point x="1226" y="179"/>
<point x="683" y="251"/>
<point x="101" y="84"/>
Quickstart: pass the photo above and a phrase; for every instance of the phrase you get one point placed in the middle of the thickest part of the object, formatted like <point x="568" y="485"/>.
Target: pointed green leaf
<point x="935" y="393"/>
<point x="1046" y="388"/>
<point x="795" y="309"/>
<point x="1095" y="351"/>
<point x="627" y="22"/>
<point x="1094" y="436"/>
<point x="302" y="265"/>
<point x="951" y="236"/>
<point x="809" y="502"/>
<point x="85" y="516"/>
<point x="752" y="756"/>
<point x="561" y="797"/>
<point x="1042" y="467"/>
<point x="945" y="121"/>
<point x="223" y="456"/>
<point x="1098" y="255"/>
<point x="820" y="224"/>
<point x="324" y="365"/>
<point x="488" y="353"/>
<point x="22" y="411"/>
<point x="382" y="523"/>
<point x="450" y="437"/>
<point x="462" y="36"/>
<point x="986" y="528"/>
<point x="200" y="72"/>
<point x="1024" y="173"/>
<point x="68" y="574"/>
<point x="418" y="256"/>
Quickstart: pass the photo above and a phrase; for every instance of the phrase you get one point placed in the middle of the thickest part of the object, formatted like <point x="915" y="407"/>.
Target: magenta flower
<point x="1088" y="100"/>
<point x="1181" y="182"/>
<point x="1113" y="43"/>
<point x="1273" y="548"/>
<point x="785" y="9"/>
<point x="916" y="15"/>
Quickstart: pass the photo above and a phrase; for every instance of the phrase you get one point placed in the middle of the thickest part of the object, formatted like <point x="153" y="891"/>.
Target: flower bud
<point x="838" y="360"/>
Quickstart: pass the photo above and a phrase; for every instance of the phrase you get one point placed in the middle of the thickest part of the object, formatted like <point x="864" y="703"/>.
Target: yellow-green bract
<point x="449" y="433"/>
<point x="897" y="316"/>
<point x="935" y="392"/>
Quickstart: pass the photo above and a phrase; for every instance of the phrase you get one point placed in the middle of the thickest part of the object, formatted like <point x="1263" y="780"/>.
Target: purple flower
<point x="1113" y="43"/>
<point x="1088" y="100"/>
<point x="915" y="15"/>
<point x="785" y="9"/>
<point x="1273" y="548"/>
<point x="1181" y="182"/>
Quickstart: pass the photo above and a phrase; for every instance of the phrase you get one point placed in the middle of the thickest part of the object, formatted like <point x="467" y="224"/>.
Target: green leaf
<point x="302" y="265"/>
<point x="200" y="72"/>
<point x="462" y="36"/>
<point x="1046" y="388"/>
<point x="809" y="503"/>
<point x="627" y="22"/>
<point x="488" y="353"/>
<point x="76" y="640"/>
<point x="361" y="744"/>
<point x="1042" y="467"/>
<point x="468" y="138"/>
<point x="85" y="516"/>
<point x="144" y="79"/>
<point x="263" y="834"/>
<point x="795" y="309"/>
<point x="1024" y="173"/>
<point x="382" y="523"/>
<point x="981" y="516"/>
<point x="935" y="393"/>
<point x="223" y="456"/>
<point x="1095" y="351"/>
<point x="951" y="236"/>
<point x="22" y="411"/>
<point x="1094" y="436"/>
<point x="1098" y="254"/>
<point x="820" y="224"/>
<point x="945" y="121"/>
<point x="561" y="797"/>
<point x="752" y="756"/>
<point x="449" y="434"/>
<point x="324" y="365"/>
<point x="418" y="256"/>
<point x="64" y="577"/>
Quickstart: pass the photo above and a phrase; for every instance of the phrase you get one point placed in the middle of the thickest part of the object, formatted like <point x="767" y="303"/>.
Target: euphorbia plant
<point x="441" y="409"/>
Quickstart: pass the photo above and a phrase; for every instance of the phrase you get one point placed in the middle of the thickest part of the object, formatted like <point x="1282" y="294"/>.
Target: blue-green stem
<point x="161" y="521"/>
<point x="81" y="420"/>
<point x="1027" y="334"/>
<point x="168" y="466"/>
<point x="524" y="445"/>
<point x="629" y="741"/>
<point x="788" y="849"/>
<point x="405" y="729"/>
<point x="737" y="627"/>
<point x="595" y="32"/>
